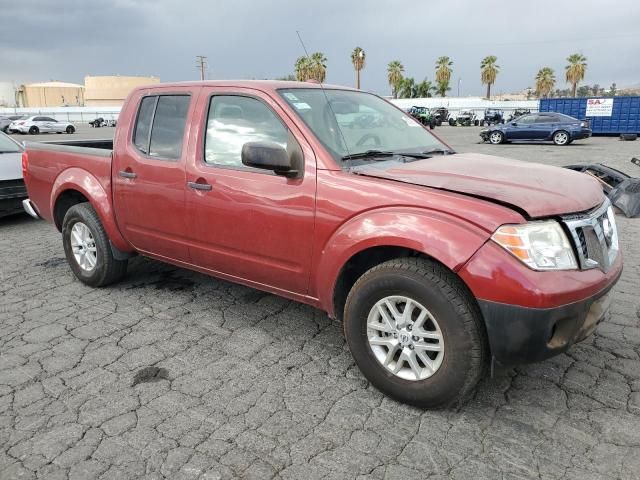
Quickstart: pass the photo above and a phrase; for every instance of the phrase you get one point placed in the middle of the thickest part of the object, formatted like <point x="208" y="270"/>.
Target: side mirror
<point x="514" y="124"/>
<point x="268" y="156"/>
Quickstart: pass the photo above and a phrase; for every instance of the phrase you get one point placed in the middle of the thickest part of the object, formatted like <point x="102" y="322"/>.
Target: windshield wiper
<point x="368" y="154"/>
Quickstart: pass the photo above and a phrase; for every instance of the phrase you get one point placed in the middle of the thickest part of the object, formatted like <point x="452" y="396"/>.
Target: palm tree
<point x="545" y="81"/>
<point x="488" y="72"/>
<point x="302" y="69"/>
<point x="424" y="89"/>
<point x="357" y="58"/>
<point x="443" y="74"/>
<point x="575" y="70"/>
<point x="318" y="66"/>
<point x="407" y="88"/>
<point x="395" y="71"/>
<point x="442" y="87"/>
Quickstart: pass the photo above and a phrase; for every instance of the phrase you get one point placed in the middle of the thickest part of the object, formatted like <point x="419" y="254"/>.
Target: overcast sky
<point x="68" y="39"/>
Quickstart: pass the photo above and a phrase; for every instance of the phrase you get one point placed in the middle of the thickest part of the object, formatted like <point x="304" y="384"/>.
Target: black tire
<point x="34" y="130"/>
<point x="496" y="135"/>
<point x="70" y="130"/>
<point x="561" y="138"/>
<point x="447" y="298"/>
<point x="476" y="122"/>
<point x="452" y="122"/>
<point x="439" y="122"/>
<point x="432" y="124"/>
<point x="107" y="269"/>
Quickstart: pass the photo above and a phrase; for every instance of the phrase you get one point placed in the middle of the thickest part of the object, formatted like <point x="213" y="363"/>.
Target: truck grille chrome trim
<point x="595" y="237"/>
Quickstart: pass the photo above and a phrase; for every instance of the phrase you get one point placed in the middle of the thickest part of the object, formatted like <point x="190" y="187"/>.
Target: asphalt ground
<point x="172" y="374"/>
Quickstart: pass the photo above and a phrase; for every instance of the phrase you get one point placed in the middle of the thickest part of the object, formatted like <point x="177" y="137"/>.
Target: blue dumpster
<point x="605" y="119"/>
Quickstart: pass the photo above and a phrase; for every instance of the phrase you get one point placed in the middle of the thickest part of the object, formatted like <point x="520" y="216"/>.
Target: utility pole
<point x="201" y="63"/>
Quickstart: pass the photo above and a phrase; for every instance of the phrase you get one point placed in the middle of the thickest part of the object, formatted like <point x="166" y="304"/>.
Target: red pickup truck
<point x="438" y="263"/>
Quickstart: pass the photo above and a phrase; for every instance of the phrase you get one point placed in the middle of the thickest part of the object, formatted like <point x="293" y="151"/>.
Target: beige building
<point x="110" y="91"/>
<point x="50" y="94"/>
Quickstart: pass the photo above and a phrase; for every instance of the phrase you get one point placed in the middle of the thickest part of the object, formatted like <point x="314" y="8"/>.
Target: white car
<point x="39" y="124"/>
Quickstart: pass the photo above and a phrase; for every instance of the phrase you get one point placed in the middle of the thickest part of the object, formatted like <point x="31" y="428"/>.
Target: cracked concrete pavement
<point x="248" y="385"/>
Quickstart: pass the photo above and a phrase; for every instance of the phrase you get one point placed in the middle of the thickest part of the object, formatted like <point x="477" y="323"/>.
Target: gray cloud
<point x="68" y="39"/>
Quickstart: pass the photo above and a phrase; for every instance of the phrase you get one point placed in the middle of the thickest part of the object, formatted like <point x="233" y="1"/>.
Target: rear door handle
<point x="200" y="186"/>
<point x="127" y="174"/>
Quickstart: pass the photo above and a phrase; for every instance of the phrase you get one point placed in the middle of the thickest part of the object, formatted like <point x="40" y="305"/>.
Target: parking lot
<point x="172" y="374"/>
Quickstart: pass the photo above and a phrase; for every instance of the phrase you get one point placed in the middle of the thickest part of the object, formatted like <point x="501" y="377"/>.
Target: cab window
<point x="235" y="120"/>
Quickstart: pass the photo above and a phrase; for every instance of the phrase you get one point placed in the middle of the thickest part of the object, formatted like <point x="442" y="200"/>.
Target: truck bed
<point x="80" y="163"/>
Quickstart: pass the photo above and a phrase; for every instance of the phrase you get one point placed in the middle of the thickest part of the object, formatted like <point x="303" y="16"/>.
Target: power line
<point x="201" y="64"/>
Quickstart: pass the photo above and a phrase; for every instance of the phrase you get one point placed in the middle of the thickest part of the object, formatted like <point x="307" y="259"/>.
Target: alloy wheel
<point x="83" y="247"/>
<point x="405" y="338"/>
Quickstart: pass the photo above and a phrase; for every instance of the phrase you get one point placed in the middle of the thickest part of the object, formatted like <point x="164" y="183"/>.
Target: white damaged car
<point x="39" y="124"/>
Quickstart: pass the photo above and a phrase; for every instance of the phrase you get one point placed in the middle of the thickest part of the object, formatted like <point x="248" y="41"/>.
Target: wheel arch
<point x="375" y="237"/>
<point x="75" y="185"/>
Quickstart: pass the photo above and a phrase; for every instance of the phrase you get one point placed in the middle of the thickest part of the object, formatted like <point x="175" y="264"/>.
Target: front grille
<point x="595" y="237"/>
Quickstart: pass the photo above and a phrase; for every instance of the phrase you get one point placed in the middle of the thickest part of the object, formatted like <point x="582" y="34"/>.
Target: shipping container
<point x="607" y="116"/>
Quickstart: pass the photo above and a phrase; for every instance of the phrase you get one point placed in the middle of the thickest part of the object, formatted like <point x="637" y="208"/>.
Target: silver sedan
<point x="39" y="124"/>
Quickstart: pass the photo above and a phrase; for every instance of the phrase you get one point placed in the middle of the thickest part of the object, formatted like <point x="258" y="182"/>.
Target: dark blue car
<point x="560" y="129"/>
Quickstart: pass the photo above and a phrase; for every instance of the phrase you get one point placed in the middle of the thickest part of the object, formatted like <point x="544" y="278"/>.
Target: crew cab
<point x="438" y="263"/>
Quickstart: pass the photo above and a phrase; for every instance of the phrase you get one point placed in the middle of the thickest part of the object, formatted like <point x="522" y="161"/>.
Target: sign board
<point x="599" y="107"/>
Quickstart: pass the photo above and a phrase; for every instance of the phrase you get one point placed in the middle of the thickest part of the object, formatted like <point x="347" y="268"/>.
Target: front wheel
<point x="70" y="129"/>
<point x="561" y="138"/>
<point x="87" y="248"/>
<point x="34" y="130"/>
<point x="416" y="333"/>
<point x="496" y="138"/>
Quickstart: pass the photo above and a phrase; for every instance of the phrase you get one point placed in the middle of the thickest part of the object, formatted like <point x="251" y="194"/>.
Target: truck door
<point x="243" y="222"/>
<point x="149" y="175"/>
<point x="521" y="128"/>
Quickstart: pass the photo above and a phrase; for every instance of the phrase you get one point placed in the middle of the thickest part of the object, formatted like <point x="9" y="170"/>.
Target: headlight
<point x="539" y="245"/>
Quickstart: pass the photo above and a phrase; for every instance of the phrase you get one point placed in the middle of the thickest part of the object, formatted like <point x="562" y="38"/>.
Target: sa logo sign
<point x="595" y="101"/>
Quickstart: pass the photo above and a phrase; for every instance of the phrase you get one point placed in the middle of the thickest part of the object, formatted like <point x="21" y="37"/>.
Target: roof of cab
<point x="269" y="85"/>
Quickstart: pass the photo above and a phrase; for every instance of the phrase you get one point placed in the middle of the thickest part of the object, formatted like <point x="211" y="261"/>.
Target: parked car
<point x="557" y="127"/>
<point x="38" y="124"/>
<point x="12" y="189"/>
<point x="492" y="117"/>
<point x="465" y="118"/>
<point x="437" y="263"/>
<point x="6" y="121"/>
<point x="423" y="115"/>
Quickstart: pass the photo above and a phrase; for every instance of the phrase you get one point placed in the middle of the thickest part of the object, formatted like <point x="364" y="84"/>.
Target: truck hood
<point x="538" y="190"/>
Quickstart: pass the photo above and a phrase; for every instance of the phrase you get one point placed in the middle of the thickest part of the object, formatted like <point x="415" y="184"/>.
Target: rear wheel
<point x="70" y="129"/>
<point x="34" y="130"/>
<point x="476" y="122"/>
<point x="452" y="122"/>
<point x="496" y="138"/>
<point x="87" y="248"/>
<point x="439" y="122"/>
<point x="561" y="138"/>
<point x="416" y="333"/>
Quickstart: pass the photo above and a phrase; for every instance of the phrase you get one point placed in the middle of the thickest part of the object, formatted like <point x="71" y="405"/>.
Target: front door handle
<point x="127" y="174"/>
<point x="200" y="186"/>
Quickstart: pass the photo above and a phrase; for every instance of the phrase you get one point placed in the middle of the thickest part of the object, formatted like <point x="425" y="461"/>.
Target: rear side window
<point x="160" y="125"/>
<point x="143" y="124"/>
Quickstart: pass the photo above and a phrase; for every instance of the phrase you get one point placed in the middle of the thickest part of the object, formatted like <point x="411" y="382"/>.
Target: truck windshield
<point x="351" y="123"/>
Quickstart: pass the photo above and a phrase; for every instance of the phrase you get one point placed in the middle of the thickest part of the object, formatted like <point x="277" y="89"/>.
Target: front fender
<point x="449" y="240"/>
<point x="84" y="182"/>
